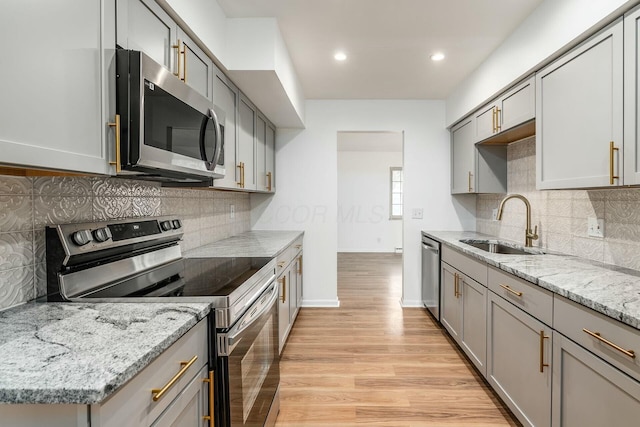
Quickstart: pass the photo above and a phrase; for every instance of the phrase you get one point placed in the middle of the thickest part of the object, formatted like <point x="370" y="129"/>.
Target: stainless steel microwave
<point x="168" y="131"/>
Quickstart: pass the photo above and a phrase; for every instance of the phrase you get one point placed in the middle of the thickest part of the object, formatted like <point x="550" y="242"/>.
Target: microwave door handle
<point x="219" y="142"/>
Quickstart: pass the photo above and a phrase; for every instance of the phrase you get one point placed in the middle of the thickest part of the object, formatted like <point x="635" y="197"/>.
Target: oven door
<point x="249" y="362"/>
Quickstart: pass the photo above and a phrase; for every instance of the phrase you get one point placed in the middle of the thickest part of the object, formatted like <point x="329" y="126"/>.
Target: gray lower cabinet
<point x="289" y="271"/>
<point x="519" y="361"/>
<point x="579" y="112"/>
<point x="463" y="313"/>
<point x="588" y="391"/>
<point x="191" y="407"/>
<point x="58" y="85"/>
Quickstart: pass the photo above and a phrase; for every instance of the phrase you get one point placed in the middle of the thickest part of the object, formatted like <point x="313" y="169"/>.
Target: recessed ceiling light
<point x="340" y="56"/>
<point x="438" y="56"/>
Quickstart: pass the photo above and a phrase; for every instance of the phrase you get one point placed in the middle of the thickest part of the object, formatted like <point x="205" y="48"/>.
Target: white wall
<point x="553" y="25"/>
<point x="363" y="201"/>
<point x="306" y="179"/>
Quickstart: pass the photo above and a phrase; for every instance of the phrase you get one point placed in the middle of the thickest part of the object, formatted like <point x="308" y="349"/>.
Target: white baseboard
<point x="411" y="303"/>
<point x="331" y="303"/>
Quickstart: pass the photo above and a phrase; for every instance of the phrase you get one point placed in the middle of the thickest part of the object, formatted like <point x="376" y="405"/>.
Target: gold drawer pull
<point x="211" y="402"/>
<point x="596" y="335"/>
<point x="281" y="264"/>
<point x="612" y="150"/>
<point x="542" y="338"/>
<point x="508" y="289"/>
<point x="283" y="298"/>
<point x="158" y="393"/>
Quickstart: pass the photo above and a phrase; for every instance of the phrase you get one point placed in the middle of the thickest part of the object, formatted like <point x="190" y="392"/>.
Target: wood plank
<point x="371" y="362"/>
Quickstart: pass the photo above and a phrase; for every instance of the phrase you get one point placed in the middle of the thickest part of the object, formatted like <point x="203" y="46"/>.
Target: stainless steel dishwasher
<point x="431" y="275"/>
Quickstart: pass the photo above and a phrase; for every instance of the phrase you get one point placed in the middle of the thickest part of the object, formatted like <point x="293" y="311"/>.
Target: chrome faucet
<point x="529" y="236"/>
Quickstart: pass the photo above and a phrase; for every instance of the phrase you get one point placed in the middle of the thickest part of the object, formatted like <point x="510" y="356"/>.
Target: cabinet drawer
<point x="572" y="319"/>
<point x="475" y="269"/>
<point x="133" y="404"/>
<point x="289" y="254"/>
<point x="533" y="299"/>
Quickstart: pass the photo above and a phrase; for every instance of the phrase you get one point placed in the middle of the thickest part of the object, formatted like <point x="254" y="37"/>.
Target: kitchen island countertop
<point x="608" y="289"/>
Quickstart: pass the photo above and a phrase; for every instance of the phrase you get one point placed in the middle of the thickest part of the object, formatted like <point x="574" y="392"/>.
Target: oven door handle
<point x="229" y="340"/>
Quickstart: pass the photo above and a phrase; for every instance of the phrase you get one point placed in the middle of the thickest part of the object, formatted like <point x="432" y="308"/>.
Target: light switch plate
<point x="232" y="211"/>
<point x="595" y="227"/>
<point x="417" y="213"/>
<point x="494" y="214"/>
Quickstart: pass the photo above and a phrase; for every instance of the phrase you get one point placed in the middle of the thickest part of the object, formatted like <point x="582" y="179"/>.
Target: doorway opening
<point x="370" y="200"/>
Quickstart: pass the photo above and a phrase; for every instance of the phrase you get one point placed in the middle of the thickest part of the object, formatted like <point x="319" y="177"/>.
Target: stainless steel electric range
<point x="140" y="260"/>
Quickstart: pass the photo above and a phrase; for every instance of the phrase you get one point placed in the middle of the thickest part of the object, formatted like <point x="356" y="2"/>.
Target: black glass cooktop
<point x="218" y="276"/>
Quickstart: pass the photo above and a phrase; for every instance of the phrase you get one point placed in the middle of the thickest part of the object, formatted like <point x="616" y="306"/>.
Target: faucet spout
<point x="529" y="235"/>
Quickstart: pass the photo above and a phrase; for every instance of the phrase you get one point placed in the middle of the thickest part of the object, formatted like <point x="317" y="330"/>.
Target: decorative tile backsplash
<point x="28" y="204"/>
<point x="561" y="215"/>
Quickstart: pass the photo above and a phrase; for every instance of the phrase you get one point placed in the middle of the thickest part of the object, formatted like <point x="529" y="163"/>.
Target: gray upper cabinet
<point x="517" y="106"/>
<point x="463" y="157"/>
<point x="226" y="96"/>
<point x="513" y="108"/>
<point x="476" y="168"/>
<point x="579" y="114"/>
<point x="246" y="152"/>
<point x="261" y="146"/>
<point x="195" y="68"/>
<point x="143" y="25"/>
<point x="270" y="154"/>
<point x="631" y="98"/>
<point x="58" y="85"/>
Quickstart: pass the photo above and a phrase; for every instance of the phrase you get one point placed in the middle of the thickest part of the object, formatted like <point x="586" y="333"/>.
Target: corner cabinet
<point x="226" y="96"/>
<point x="59" y="90"/>
<point x="476" y="168"/>
<point x="632" y="98"/>
<point x="246" y="147"/>
<point x="265" y="155"/>
<point x="579" y="115"/>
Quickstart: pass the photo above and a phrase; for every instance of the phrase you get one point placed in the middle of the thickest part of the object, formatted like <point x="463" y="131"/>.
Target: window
<point x="396" y="193"/>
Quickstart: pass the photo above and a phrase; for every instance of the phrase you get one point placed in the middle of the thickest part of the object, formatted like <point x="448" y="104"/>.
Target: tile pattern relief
<point x="561" y="215"/>
<point x="29" y="204"/>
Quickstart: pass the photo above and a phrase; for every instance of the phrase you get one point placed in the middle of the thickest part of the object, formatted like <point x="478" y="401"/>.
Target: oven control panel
<point x="87" y="237"/>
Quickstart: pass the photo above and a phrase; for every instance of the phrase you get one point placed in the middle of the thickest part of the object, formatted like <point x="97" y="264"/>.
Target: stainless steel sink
<point x="497" y="247"/>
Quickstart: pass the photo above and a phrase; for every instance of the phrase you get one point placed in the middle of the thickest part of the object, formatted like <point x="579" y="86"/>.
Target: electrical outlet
<point x="494" y="214"/>
<point x="417" y="213"/>
<point x="232" y="211"/>
<point x="595" y="227"/>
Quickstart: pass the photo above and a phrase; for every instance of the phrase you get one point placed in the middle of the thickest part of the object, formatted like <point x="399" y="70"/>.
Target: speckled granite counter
<point x="258" y="243"/>
<point x="610" y="290"/>
<point x="81" y="353"/>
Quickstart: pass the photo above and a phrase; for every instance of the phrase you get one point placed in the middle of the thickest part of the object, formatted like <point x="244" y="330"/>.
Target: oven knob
<point x="166" y="225"/>
<point x="177" y="224"/>
<point x="81" y="237"/>
<point x="102" y="234"/>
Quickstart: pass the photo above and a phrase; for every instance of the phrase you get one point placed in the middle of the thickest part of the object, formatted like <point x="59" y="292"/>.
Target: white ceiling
<point x="370" y="141"/>
<point x="388" y="42"/>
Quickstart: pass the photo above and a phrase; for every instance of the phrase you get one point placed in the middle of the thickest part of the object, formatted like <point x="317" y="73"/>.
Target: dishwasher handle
<point x="430" y="248"/>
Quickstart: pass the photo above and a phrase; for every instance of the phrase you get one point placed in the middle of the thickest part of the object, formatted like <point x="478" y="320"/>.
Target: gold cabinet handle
<point x="469" y="178"/>
<point x="493" y="120"/>
<point x="210" y="417"/>
<point x="284" y="288"/>
<point x="297" y="246"/>
<point x="159" y="392"/>
<point x="116" y="125"/>
<point x="268" y="181"/>
<point x="281" y="264"/>
<point x="612" y="150"/>
<point x="300" y="264"/>
<point x="542" y="338"/>
<point x="498" y="127"/>
<point x="241" y="167"/>
<point x="456" y="284"/>
<point x="508" y="289"/>
<point x="177" y="49"/>
<point x="596" y="335"/>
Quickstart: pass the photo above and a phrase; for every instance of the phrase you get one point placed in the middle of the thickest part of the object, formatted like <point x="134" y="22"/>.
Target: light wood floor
<point x="372" y="363"/>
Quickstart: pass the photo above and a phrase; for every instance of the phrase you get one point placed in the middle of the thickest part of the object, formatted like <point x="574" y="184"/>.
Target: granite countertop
<point x="81" y="353"/>
<point x="256" y="243"/>
<point x="608" y="289"/>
